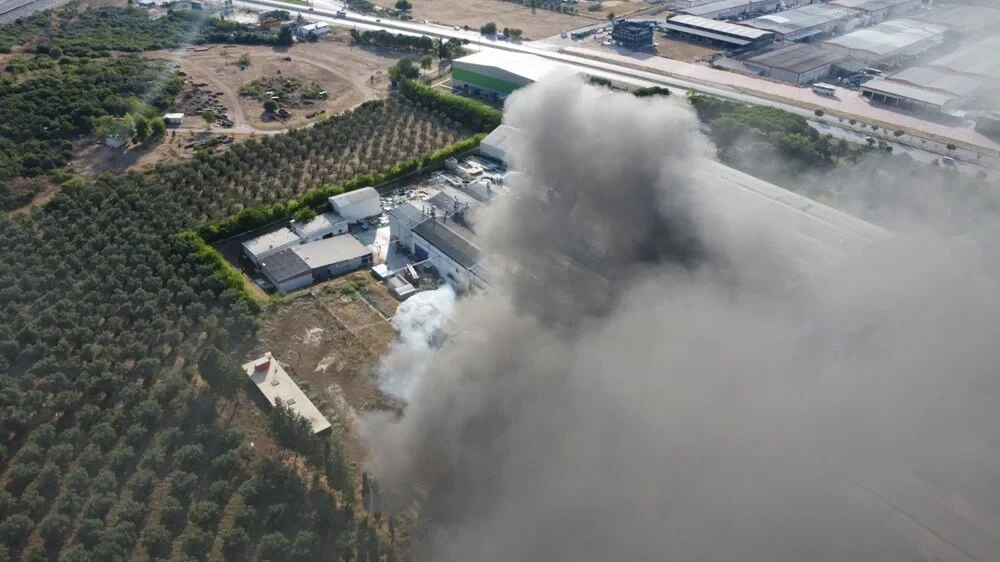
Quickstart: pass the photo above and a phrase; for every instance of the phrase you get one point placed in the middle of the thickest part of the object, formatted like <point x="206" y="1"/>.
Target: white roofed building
<point x="357" y="205"/>
<point x="499" y="72"/>
<point x="888" y="42"/>
<point x="322" y="226"/>
<point x="277" y="386"/>
<point x="499" y="144"/>
<point x="271" y="243"/>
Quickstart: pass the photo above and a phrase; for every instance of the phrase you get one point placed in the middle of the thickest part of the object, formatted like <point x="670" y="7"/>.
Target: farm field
<point x="350" y="76"/>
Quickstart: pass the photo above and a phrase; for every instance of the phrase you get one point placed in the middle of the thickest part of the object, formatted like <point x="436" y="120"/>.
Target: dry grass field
<point x="474" y="13"/>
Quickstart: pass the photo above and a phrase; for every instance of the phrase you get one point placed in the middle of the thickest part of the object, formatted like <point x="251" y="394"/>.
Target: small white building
<point x="357" y="205"/>
<point x="277" y="386"/>
<point x="499" y="144"/>
<point x="303" y="265"/>
<point x="322" y="226"/>
<point x="173" y="119"/>
<point x="271" y="243"/>
<point x="436" y="243"/>
<point x="311" y="30"/>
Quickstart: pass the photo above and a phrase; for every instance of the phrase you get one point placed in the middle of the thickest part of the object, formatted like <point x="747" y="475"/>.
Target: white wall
<point x="361" y="210"/>
<point x="303" y="280"/>
<point x="456" y="275"/>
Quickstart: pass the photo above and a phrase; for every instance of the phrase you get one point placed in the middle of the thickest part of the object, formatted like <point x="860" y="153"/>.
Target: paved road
<point x="10" y="10"/>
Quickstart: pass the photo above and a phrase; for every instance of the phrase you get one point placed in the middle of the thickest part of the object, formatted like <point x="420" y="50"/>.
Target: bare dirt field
<point x="474" y="13"/>
<point x="331" y="337"/>
<point x="94" y="157"/>
<point x="350" y="76"/>
<point x="681" y="50"/>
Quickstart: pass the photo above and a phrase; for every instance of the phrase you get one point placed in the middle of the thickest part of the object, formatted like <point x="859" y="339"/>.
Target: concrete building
<point x="889" y="42"/>
<point x="425" y="233"/>
<point x="717" y="33"/>
<point x="357" y="205"/>
<point x="632" y="34"/>
<point x="277" y="386"/>
<point x="173" y="119"/>
<point x="731" y="9"/>
<point x="271" y="243"/>
<point x="960" y="86"/>
<point x="877" y="11"/>
<point x="499" y="144"/>
<point x="312" y="30"/>
<point x="305" y="264"/>
<point x="909" y="97"/>
<point x="800" y="63"/>
<point x="498" y="72"/>
<point x="978" y="60"/>
<point x="807" y="23"/>
<point x="320" y="227"/>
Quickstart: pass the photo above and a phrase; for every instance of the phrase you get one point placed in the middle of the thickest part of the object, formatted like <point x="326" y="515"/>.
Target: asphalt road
<point x="10" y="10"/>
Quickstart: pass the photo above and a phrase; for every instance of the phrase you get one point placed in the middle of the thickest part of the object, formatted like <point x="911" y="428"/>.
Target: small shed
<point x="357" y="205"/>
<point x="173" y="119"/>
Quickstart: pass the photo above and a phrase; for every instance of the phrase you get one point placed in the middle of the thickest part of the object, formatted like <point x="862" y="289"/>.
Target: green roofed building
<point x="498" y="72"/>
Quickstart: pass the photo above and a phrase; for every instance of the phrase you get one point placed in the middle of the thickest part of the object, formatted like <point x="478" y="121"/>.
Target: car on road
<point x="948" y="161"/>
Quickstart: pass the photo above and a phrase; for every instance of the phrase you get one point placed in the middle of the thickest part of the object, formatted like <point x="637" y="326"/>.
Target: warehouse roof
<point x="409" y="214"/>
<point x="717" y="26"/>
<point x="899" y="90"/>
<point x="355" y="196"/>
<point x="798" y="58"/>
<point x="503" y="138"/>
<point x="449" y="243"/>
<point x="319" y="223"/>
<point x="271" y="240"/>
<point x="868" y="5"/>
<point x="721" y="5"/>
<point x="330" y="251"/>
<point x="978" y="59"/>
<point x="275" y="384"/>
<point x="284" y="265"/>
<point x="965" y="18"/>
<point x="934" y="79"/>
<point x="799" y="19"/>
<point x="888" y="37"/>
<point x="527" y="66"/>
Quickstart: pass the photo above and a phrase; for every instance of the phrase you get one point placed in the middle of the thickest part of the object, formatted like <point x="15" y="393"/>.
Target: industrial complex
<point x="498" y="72"/>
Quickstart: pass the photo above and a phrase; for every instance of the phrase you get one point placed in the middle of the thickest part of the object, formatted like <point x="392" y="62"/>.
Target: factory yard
<point x="349" y="75"/>
<point x="681" y="50"/>
<point x="475" y="13"/>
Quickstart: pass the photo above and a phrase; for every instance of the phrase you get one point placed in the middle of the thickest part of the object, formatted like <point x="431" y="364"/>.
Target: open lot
<point x="681" y="50"/>
<point x="475" y="13"/>
<point x="349" y="75"/>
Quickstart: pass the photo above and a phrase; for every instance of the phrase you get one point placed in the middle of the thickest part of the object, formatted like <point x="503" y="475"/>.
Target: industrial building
<point x="960" y="86"/>
<point x="271" y="243"/>
<point x="731" y="9"/>
<point x="498" y="72"/>
<point x="961" y="18"/>
<point x="357" y="205"/>
<point x="799" y="63"/>
<point x="632" y="34"/>
<point x="322" y="226"/>
<point x="877" y="11"/>
<point x="313" y="30"/>
<point x="173" y="119"/>
<point x="717" y="33"/>
<point x="978" y="60"/>
<point x="499" y="144"/>
<point x="909" y="97"/>
<point x="889" y="42"/>
<point x="277" y="386"/>
<point x="807" y="23"/>
<point x="302" y="265"/>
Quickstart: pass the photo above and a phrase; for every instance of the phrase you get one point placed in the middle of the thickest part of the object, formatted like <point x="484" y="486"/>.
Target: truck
<point x="341" y="14"/>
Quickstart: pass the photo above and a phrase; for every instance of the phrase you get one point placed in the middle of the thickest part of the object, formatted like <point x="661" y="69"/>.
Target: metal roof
<point x="275" y="384"/>
<point x="791" y="21"/>
<point x="960" y="17"/>
<point x="356" y="196"/>
<point x="868" y="5"/>
<point x="502" y="138"/>
<point x="284" y="265"/>
<point x="934" y="79"/>
<point x="527" y="66"/>
<point x="330" y="251"/>
<point x="271" y="240"/>
<point x="409" y="214"/>
<point x="798" y="58"/>
<point x="978" y="59"/>
<point x="449" y="243"/>
<point x="904" y="91"/>
<point x="716" y="26"/>
<point x="326" y="221"/>
<point x="724" y="5"/>
<point x="888" y="37"/>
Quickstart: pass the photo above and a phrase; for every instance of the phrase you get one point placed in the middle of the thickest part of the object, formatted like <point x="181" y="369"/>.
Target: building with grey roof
<point x="717" y="33"/>
<point x="898" y="94"/>
<point x="978" y="60"/>
<point x="499" y="144"/>
<point x="357" y="205"/>
<point x="726" y="9"/>
<point x="961" y="18"/>
<point x="807" y="22"/>
<point x="799" y="63"/>
<point x="937" y="80"/>
<point x="326" y="225"/>
<point x="303" y="265"/>
<point x="889" y="42"/>
<point x="278" y="387"/>
<point x="268" y="244"/>
<point x="879" y="10"/>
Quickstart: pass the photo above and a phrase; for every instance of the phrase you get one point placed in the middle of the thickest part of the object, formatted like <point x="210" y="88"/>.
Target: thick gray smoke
<point x="676" y="373"/>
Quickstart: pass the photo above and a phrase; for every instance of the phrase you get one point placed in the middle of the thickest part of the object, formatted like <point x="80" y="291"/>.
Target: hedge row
<point x="469" y="112"/>
<point x="256" y="217"/>
<point x="195" y="244"/>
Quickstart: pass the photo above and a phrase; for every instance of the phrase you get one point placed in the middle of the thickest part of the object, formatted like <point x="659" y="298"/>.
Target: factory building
<point x="305" y="264"/>
<point x="978" y="60"/>
<point x="271" y="243"/>
<point x="889" y="42"/>
<point x="717" y="33"/>
<point x="499" y="144"/>
<point x="632" y="34"/>
<point x="322" y="226"/>
<point x="800" y="63"/>
<point x="731" y="9"/>
<point x="961" y="19"/>
<point x="357" y="205"/>
<point x="908" y="97"/>
<point x="877" y="11"/>
<point x="277" y="386"/>
<point x="498" y="72"/>
<point x="962" y="87"/>
<point x="808" y="23"/>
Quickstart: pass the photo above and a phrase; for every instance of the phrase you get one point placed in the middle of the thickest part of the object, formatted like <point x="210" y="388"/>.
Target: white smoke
<point x="421" y="322"/>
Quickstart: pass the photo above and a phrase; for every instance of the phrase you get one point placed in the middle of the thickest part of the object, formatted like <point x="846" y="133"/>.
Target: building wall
<point x="361" y="210"/>
<point x="463" y="76"/>
<point x="334" y="230"/>
<point x="456" y="275"/>
<point x="342" y="268"/>
<point x="493" y="152"/>
<point x="255" y="259"/>
<point x="294" y="283"/>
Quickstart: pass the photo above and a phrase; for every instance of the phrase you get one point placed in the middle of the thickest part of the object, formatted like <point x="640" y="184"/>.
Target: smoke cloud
<point x="677" y="374"/>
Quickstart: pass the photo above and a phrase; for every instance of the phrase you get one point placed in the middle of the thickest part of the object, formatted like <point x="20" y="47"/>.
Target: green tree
<point x="611" y="16"/>
<point x="158" y="127"/>
<point x="951" y="147"/>
<point x="898" y="133"/>
<point x="196" y="543"/>
<point x="285" y="36"/>
<point x="291" y="431"/>
<point x="404" y="70"/>
<point x="157" y="540"/>
<point x="142" y="128"/>
<point x="270" y="106"/>
<point x="205" y="514"/>
<point x="15" y="529"/>
<point x="53" y="529"/>
<point x="488" y="28"/>
<point x="235" y="544"/>
<point x="426" y="62"/>
<point x="274" y="547"/>
<point x="304" y="215"/>
<point x="818" y="113"/>
<point x="243" y="61"/>
<point x="403" y="5"/>
<point x="209" y="116"/>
